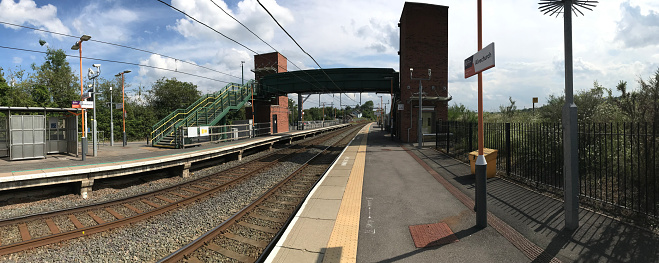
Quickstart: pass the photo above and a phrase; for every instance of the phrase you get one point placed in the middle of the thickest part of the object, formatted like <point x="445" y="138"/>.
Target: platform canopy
<point x="336" y="80"/>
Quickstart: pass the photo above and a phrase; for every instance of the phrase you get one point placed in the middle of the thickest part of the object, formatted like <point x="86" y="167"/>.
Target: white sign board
<point x="479" y="62"/>
<point x="203" y="130"/>
<point x="86" y="104"/>
<point x="401" y="106"/>
<point x="192" y="132"/>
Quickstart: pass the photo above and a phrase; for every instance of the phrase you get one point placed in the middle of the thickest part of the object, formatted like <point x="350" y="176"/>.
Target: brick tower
<point x="275" y="109"/>
<point x="423" y="46"/>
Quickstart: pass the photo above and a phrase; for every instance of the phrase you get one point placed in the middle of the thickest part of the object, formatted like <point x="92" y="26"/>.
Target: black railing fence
<point x="617" y="161"/>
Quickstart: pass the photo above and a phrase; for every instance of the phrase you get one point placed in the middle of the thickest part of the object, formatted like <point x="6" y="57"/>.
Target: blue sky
<point x="617" y="41"/>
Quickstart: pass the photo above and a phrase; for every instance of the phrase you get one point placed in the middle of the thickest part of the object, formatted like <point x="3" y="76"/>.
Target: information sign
<point x="192" y="132"/>
<point x="479" y="62"/>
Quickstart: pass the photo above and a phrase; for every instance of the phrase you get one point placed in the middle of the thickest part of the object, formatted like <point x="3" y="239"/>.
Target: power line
<point x="273" y="48"/>
<point x="121" y="62"/>
<point x="227" y="37"/>
<point x="305" y="52"/>
<point x="119" y="45"/>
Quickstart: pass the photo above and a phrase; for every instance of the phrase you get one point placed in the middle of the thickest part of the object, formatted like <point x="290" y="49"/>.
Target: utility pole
<point x="111" y="122"/>
<point x="420" y="121"/>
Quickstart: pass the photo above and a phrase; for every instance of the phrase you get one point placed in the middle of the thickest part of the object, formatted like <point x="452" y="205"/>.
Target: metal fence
<point x="617" y="161"/>
<point x="306" y="125"/>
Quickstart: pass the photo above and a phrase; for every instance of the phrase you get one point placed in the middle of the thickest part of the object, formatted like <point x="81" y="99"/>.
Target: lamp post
<point x="91" y="75"/>
<point x="569" y="119"/>
<point x="420" y="122"/>
<point x="123" y="102"/>
<point x="111" y="123"/>
<point x="78" y="46"/>
<point x="242" y="73"/>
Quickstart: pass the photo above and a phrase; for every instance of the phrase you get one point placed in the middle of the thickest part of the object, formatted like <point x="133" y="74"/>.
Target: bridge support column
<point x="86" y="187"/>
<point x="185" y="173"/>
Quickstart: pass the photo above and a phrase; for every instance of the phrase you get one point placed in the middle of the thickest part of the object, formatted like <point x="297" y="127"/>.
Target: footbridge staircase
<point x="208" y="110"/>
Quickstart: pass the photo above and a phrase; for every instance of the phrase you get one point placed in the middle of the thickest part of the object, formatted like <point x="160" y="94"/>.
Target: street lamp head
<point x="127" y="71"/>
<point x="76" y="46"/>
<point x="96" y="65"/>
<point x="118" y="74"/>
<point x="555" y="7"/>
<point x="85" y="38"/>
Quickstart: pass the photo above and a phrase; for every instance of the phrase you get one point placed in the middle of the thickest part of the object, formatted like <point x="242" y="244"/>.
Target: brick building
<point x="274" y="110"/>
<point x="423" y="46"/>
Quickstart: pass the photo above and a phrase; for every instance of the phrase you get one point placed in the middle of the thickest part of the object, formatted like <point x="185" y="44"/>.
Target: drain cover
<point x="432" y="235"/>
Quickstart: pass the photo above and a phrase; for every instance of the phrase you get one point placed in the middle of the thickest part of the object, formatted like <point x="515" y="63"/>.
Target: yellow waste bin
<point x="490" y="157"/>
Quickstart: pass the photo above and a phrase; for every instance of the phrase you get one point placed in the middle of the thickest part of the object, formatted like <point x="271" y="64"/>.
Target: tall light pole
<point x="111" y="123"/>
<point x="78" y="46"/>
<point x="569" y="119"/>
<point x="242" y="73"/>
<point x="93" y="75"/>
<point x="123" y="101"/>
<point x="420" y="122"/>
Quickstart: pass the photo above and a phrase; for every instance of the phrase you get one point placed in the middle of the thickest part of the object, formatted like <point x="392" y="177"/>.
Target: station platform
<point x="386" y="202"/>
<point x="135" y="157"/>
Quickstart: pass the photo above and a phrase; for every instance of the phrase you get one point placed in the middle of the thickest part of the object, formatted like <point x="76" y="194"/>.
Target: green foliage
<point x="461" y="113"/>
<point x="367" y="110"/>
<point x="53" y="82"/>
<point x="509" y="110"/>
<point x="167" y="95"/>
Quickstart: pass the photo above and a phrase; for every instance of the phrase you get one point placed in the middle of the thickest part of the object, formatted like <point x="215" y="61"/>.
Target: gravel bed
<point x="157" y="237"/>
<point x="238" y="247"/>
<point x="107" y="217"/>
<point x="141" y="206"/>
<point x="38" y="228"/>
<point x="271" y="213"/>
<point x="278" y="205"/>
<point x="63" y="223"/>
<point x="207" y="255"/>
<point x="10" y="234"/>
<point x="108" y="194"/>
<point x="262" y="222"/>
<point x="85" y="219"/>
<point x="123" y="210"/>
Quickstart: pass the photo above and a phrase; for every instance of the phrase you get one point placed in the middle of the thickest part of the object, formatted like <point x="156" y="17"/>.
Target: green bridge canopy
<point x="345" y="80"/>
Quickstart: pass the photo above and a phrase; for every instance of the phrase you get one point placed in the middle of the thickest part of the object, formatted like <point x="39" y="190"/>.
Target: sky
<point x="618" y="40"/>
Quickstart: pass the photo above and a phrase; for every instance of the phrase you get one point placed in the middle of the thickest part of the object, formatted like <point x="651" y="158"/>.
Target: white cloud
<point x="17" y="60"/>
<point x="636" y="29"/>
<point x="27" y="12"/>
<point x="110" y="23"/>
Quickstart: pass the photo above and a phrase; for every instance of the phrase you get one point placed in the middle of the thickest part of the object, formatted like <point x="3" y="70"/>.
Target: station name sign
<point x="479" y="62"/>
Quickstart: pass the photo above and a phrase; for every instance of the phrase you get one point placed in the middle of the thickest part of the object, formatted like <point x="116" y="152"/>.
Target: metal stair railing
<point x="208" y="110"/>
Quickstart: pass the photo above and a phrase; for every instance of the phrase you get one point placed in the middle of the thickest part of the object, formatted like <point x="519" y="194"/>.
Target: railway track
<point x="30" y="231"/>
<point x="251" y="233"/>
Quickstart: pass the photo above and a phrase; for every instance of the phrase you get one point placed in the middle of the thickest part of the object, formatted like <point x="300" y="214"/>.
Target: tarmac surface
<point x="404" y="186"/>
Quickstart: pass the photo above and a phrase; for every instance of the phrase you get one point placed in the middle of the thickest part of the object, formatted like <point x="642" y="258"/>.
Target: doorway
<point x="274" y="123"/>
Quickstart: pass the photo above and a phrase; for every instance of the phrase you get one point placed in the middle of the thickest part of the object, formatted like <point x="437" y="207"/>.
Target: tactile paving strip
<point x="342" y="245"/>
<point x="432" y="235"/>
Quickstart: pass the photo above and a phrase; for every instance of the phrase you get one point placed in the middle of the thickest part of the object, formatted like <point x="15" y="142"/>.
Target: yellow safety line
<point x="342" y="245"/>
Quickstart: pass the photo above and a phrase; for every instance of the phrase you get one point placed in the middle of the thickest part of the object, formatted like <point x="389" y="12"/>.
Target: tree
<point x="509" y="110"/>
<point x="167" y="95"/>
<point x="4" y="90"/>
<point x="649" y="98"/>
<point x="461" y="113"/>
<point x="292" y="107"/>
<point x="367" y="110"/>
<point x="53" y="83"/>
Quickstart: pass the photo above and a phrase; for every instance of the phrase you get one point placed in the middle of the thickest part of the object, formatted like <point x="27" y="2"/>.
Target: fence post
<point x="470" y="139"/>
<point x="448" y="132"/>
<point x="508" y="150"/>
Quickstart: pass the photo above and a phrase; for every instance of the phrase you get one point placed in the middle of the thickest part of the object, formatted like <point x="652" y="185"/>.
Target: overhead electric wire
<point x="119" y="45"/>
<point x="273" y="48"/>
<point x="120" y="62"/>
<point x="305" y="52"/>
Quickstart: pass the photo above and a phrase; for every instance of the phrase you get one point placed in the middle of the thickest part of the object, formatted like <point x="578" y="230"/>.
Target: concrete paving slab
<point x="301" y="238"/>
<point x="286" y="255"/>
<point x="329" y="192"/>
<point x="336" y="181"/>
<point x="321" y="209"/>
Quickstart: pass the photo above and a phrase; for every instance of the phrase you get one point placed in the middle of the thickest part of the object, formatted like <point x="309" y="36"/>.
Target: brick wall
<point x="266" y="64"/>
<point x="423" y="46"/>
